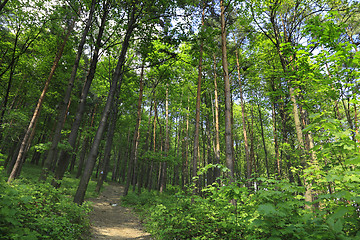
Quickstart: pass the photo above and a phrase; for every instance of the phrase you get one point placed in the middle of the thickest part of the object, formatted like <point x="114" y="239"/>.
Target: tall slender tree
<point x="228" y="126"/>
<point x="65" y="156"/>
<point x="115" y="83"/>
<point x="32" y="125"/>
<point x="51" y="156"/>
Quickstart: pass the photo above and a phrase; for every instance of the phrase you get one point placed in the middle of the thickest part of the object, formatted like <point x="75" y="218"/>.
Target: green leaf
<point x="267" y="209"/>
<point x="338" y="226"/>
<point x="353" y="161"/>
<point x="340" y="212"/>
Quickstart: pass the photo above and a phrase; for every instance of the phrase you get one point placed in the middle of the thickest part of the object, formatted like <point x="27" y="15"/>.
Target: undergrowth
<point x="276" y="211"/>
<point x="33" y="210"/>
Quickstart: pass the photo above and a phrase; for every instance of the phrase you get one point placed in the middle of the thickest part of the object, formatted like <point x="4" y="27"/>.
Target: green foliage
<point x="39" y="211"/>
<point x="276" y="210"/>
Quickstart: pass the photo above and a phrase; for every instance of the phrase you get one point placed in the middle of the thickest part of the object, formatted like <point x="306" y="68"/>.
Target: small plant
<point x="38" y="211"/>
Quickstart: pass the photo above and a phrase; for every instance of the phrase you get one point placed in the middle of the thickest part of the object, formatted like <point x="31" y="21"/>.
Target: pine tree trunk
<point x="74" y="156"/>
<point x="276" y="144"/>
<point x="217" y="136"/>
<point x="84" y="149"/>
<point x="185" y="153"/>
<point x="252" y="143"/>
<point x="12" y="69"/>
<point x="228" y="127"/>
<point x="2" y="5"/>
<point x="115" y="172"/>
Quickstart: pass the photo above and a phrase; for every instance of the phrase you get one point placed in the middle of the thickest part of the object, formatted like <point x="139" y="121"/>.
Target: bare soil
<point x="110" y="220"/>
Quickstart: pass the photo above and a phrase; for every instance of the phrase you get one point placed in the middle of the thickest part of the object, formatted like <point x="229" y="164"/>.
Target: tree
<point x="228" y="127"/>
<point x="32" y="125"/>
<point x="51" y="156"/>
<point x="65" y="156"/>
<point x="116" y="82"/>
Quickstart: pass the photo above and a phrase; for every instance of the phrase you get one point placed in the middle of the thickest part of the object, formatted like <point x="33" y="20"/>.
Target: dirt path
<point x="111" y="221"/>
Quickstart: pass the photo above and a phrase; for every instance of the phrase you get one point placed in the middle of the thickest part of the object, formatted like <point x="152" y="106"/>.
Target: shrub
<point x="276" y="210"/>
<point x="38" y="211"/>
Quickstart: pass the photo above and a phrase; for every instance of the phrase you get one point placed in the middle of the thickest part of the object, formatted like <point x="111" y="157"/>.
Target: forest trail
<point x="111" y="221"/>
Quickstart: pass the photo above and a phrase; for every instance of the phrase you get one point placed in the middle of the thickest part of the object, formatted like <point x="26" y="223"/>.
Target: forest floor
<point x="110" y="220"/>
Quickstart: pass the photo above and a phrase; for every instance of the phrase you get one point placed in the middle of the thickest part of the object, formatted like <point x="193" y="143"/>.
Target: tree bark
<point x="198" y="101"/>
<point x="126" y="157"/>
<point x="185" y="150"/>
<point x="217" y="135"/>
<point x="115" y="172"/>
<point x="84" y="148"/>
<point x="244" y="118"/>
<point x="12" y="68"/>
<point x="2" y="5"/>
<point x="276" y="144"/>
<point x="228" y="127"/>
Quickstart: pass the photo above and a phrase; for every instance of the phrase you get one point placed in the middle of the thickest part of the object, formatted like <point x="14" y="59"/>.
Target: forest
<point x="221" y="119"/>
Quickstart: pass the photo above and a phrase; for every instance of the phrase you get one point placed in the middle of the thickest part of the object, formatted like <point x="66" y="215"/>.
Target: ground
<point x="110" y="220"/>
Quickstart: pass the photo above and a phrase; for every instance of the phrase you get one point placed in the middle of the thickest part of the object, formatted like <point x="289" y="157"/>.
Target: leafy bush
<point x="38" y="211"/>
<point x="276" y="210"/>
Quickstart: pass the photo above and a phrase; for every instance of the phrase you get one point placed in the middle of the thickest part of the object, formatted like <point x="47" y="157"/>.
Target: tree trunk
<point x="263" y="140"/>
<point x="51" y="157"/>
<point x="276" y="144"/>
<point x="65" y="156"/>
<point x="244" y="118"/>
<point x="31" y="128"/>
<point x="185" y="153"/>
<point x="115" y="172"/>
<point x="228" y="127"/>
<point x="252" y="143"/>
<point x="134" y="152"/>
<point x="83" y="153"/>
<point x="126" y="158"/>
<point x="109" y="140"/>
<point x="12" y="68"/>
<point x="177" y="165"/>
<point x="146" y="149"/>
<point x="167" y="142"/>
<point x="116" y="82"/>
<point x="217" y="136"/>
<point x="74" y="155"/>
<point x="198" y="101"/>
<point x="84" y="148"/>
